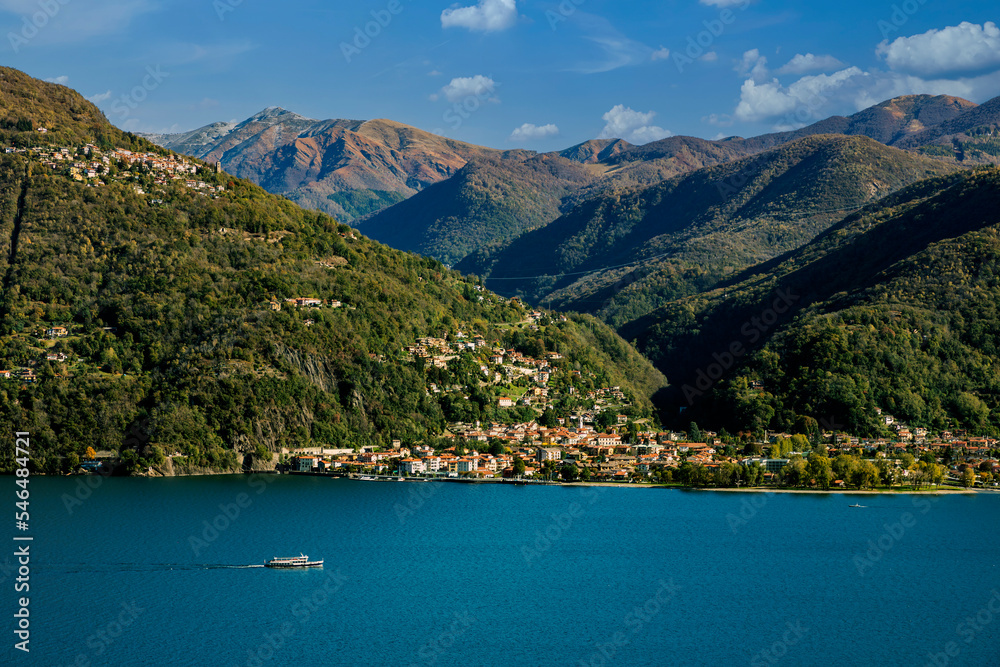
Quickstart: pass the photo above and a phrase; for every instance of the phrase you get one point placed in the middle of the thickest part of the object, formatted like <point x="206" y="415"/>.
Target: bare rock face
<point x="319" y="163"/>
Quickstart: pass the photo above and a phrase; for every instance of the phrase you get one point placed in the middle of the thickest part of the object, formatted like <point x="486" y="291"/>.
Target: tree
<point x="518" y="466"/>
<point x="606" y="419"/>
<point x="887" y="472"/>
<point x="752" y="474"/>
<point x="694" y="433"/>
<point x="91" y="454"/>
<point x="794" y="474"/>
<point x="569" y="473"/>
<point x="864" y="475"/>
<point x="819" y="469"/>
<point x="844" y="465"/>
<point x="548" y="419"/>
<point x="968" y="478"/>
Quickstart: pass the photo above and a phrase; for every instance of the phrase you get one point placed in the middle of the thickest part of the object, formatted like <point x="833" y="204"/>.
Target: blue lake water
<point x="450" y="574"/>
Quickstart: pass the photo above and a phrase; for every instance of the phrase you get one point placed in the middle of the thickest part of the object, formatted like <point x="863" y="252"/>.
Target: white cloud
<point x="962" y="50"/>
<point x="619" y="51"/>
<point x="926" y="64"/>
<point x="725" y="3"/>
<point x="753" y="65"/>
<point x="622" y="122"/>
<point x="434" y="72"/>
<point x="488" y="16"/>
<point x="61" y="80"/>
<point x="100" y="97"/>
<point x="479" y="86"/>
<point x="529" y="132"/>
<point x="801" y="64"/>
<point x="799" y="103"/>
<point x="709" y="57"/>
<point x="661" y="53"/>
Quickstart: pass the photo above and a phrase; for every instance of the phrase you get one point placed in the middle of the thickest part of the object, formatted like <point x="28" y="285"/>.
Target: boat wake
<point x="145" y="567"/>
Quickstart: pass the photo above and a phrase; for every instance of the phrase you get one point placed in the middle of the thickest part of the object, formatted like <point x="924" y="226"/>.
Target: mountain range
<point x="347" y="168"/>
<point x="789" y="281"/>
<point x="623" y="253"/>
<point x="154" y="306"/>
<point x="356" y="169"/>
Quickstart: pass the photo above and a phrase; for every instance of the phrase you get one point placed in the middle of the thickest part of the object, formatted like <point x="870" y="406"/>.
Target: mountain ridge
<point x="156" y="307"/>
<point x="695" y="229"/>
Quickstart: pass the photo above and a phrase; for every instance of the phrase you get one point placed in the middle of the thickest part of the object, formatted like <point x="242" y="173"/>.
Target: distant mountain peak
<point x="271" y="113"/>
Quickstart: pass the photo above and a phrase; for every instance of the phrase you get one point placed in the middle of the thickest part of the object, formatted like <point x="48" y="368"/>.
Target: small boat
<point x="293" y="561"/>
<point x="856" y="505"/>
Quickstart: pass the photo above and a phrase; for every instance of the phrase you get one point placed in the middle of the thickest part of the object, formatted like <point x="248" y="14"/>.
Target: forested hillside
<point x="625" y="253"/>
<point x="200" y="315"/>
<point x="894" y="308"/>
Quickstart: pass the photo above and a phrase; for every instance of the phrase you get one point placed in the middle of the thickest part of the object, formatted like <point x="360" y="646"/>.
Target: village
<point x="600" y="440"/>
<point x="527" y="451"/>
<point x="600" y="443"/>
<point x="97" y="168"/>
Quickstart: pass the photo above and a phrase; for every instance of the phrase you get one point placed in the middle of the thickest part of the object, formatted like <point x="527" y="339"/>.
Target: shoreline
<point x="760" y="489"/>
<point x="620" y="485"/>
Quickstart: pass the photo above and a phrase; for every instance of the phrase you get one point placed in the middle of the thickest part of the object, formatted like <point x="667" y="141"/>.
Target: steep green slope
<point x="686" y="234"/>
<point x="168" y="293"/>
<point x="893" y="308"/>
<point x="487" y="203"/>
<point x="28" y="105"/>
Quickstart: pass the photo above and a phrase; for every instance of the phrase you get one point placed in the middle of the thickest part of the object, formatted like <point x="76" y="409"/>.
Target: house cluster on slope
<point x="93" y="166"/>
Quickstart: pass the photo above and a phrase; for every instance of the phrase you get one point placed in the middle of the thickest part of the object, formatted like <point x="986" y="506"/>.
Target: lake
<point x="167" y="572"/>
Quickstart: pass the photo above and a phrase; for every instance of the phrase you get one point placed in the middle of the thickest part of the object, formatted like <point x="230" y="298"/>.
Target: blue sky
<point x="533" y="74"/>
